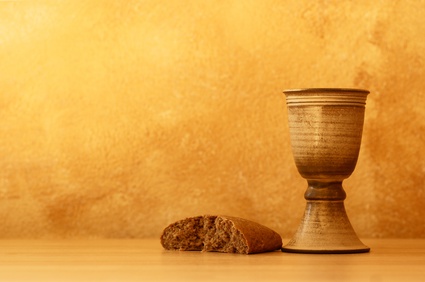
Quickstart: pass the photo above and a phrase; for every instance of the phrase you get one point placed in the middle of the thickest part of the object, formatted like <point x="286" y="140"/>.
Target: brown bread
<point x="226" y="234"/>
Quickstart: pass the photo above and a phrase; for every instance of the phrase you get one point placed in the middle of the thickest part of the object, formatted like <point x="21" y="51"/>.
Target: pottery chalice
<point x="325" y="127"/>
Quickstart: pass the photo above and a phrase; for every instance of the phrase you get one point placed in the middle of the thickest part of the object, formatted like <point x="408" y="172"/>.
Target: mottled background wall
<point x="119" y="117"/>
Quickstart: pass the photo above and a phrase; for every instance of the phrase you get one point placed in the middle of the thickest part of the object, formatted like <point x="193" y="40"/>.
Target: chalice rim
<point x="315" y="90"/>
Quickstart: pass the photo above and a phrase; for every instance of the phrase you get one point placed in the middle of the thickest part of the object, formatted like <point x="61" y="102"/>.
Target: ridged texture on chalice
<point x="325" y="130"/>
<point x="326" y="96"/>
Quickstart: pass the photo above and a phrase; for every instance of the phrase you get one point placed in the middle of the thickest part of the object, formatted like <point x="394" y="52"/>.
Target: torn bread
<point x="226" y="234"/>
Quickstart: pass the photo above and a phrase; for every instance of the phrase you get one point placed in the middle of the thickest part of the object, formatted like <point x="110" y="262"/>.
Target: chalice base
<point x="325" y="229"/>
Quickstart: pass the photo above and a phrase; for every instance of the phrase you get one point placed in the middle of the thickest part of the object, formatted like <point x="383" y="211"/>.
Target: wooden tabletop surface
<point x="145" y="260"/>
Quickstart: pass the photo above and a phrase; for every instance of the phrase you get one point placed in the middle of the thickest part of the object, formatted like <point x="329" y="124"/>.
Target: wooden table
<point x="145" y="260"/>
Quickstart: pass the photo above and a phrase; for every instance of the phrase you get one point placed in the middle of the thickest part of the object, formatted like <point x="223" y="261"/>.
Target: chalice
<point x="325" y="127"/>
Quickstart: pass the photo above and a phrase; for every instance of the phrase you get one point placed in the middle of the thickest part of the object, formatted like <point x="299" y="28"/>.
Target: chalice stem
<point x="325" y="227"/>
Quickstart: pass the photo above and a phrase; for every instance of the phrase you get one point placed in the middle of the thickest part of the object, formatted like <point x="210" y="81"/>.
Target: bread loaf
<point x="226" y="234"/>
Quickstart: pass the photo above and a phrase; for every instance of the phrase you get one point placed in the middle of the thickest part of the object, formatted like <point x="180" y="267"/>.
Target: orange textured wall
<point x="119" y="117"/>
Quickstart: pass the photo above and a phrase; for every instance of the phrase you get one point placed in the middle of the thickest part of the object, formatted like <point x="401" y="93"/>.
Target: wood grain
<point x="145" y="260"/>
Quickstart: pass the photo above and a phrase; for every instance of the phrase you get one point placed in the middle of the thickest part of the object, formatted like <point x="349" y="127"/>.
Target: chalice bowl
<point x="325" y="127"/>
